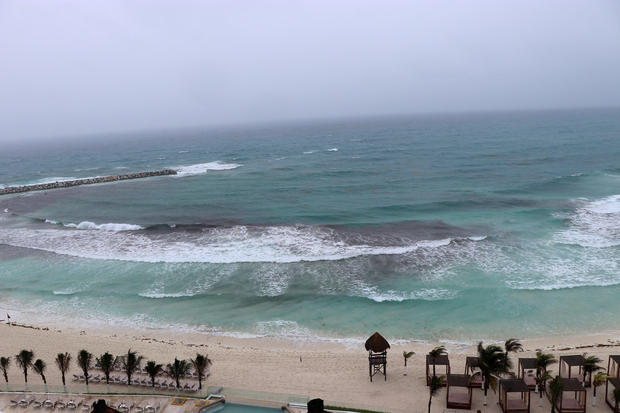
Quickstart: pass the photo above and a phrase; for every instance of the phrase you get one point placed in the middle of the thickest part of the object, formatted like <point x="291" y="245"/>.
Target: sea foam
<point x="106" y="227"/>
<point x="203" y="168"/>
<point x="237" y="244"/>
<point x="593" y="224"/>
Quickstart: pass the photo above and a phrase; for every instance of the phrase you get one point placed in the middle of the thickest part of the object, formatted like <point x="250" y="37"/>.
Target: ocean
<point x="430" y="227"/>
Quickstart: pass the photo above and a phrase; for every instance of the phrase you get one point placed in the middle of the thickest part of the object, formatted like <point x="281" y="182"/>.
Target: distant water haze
<point x="76" y="68"/>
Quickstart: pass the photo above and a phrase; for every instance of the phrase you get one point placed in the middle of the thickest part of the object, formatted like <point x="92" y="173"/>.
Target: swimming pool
<point x="239" y="408"/>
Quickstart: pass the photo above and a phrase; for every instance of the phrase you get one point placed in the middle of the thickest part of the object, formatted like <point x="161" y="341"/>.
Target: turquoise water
<point x="452" y="226"/>
<point x="241" y="408"/>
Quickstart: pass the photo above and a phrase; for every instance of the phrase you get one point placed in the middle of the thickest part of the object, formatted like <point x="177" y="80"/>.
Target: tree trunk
<point x="63" y="378"/>
<point x="199" y="382"/>
<point x="485" y="393"/>
<point x="178" y="384"/>
<point x="430" y="399"/>
<point x="25" y="375"/>
<point x="594" y="397"/>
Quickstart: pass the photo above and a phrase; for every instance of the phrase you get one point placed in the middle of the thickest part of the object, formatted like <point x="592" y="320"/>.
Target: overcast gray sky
<point x="72" y="67"/>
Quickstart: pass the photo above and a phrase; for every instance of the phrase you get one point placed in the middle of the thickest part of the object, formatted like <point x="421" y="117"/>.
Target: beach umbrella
<point x="376" y="343"/>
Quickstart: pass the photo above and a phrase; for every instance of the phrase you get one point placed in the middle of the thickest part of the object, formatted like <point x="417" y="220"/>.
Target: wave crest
<point x="593" y="224"/>
<point x="224" y="245"/>
<point x="203" y="168"/>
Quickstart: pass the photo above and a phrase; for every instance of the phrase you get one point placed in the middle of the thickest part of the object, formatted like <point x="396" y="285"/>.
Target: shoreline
<point x="31" y="318"/>
<point x="336" y="372"/>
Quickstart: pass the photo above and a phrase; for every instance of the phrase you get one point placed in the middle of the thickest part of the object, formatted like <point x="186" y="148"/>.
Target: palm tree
<point x="177" y="369"/>
<point x="435" y="384"/>
<point x="435" y="353"/>
<point x="4" y="366"/>
<point x="556" y="388"/>
<point x="201" y="363"/>
<point x="63" y="361"/>
<point x="107" y="362"/>
<point x="24" y="361"/>
<point x="84" y="360"/>
<point x="543" y="360"/>
<point x="512" y="345"/>
<point x="491" y="364"/>
<point x="130" y="362"/>
<point x="599" y="379"/>
<point x="590" y="365"/>
<point x="407" y="355"/>
<point x="153" y="370"/>
<point x="39" y="368"/>
<point x="541" y="382"/>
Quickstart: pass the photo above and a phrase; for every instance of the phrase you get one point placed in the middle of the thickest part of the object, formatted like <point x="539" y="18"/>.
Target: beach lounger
<point x="60" y="404"/>
<point x="37" y="404"/>
<point x="49" y="403"/>
<point x="25" y="402"/>
<point x="14" y="403"/>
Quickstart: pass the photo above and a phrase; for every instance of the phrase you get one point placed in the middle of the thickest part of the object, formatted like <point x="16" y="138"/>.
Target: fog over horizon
<point x="71" y="67"/>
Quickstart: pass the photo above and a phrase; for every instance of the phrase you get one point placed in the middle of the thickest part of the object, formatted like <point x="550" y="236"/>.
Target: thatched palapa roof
<point x="376" y="343"/>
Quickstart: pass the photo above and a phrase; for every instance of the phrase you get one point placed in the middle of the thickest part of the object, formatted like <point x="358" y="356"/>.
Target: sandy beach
<point x="336" y="372"/>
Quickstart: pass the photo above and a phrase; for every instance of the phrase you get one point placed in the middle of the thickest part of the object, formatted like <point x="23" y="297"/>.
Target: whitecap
<point x="309" y="152"/>
<point x="332" y="150"/>
<point x="425" y="294"/>
<point x="106" y="227"/>
<point x="593" y="224"/>
<point x="166" y="295"/>
<point x="203" y="168"/>
<point x="237" y="244"/>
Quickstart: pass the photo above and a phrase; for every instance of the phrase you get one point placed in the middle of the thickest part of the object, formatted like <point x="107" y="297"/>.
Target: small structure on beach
<point x="432" y="363"/>
<point x="610" y="385"/>
<point x="573" y="399"/>
<point x="526" y="370"/>
<point x="613" y="366"/>
<point x="458" y="391"/>
<point x="572" y="367"/>
<point x="514" y="396"/>
<point x="472" y="365"/>
<point x="377" y="347"/>
<point x="613" y="382"/>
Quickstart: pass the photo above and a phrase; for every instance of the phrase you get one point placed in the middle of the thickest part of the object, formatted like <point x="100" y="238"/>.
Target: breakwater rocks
<point x="85" y="181"/>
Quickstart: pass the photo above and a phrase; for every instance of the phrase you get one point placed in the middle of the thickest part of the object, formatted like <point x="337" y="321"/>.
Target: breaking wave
<point x="232" y="244"/>
<point x="593" y="224"/>
<point x="203" y="168"/>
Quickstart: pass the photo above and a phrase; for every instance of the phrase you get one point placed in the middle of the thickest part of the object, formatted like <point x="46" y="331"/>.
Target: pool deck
<point x="167" y="404"/>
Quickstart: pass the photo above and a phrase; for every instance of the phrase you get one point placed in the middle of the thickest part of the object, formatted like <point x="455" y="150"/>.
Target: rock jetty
<point x="85" y="181"/>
